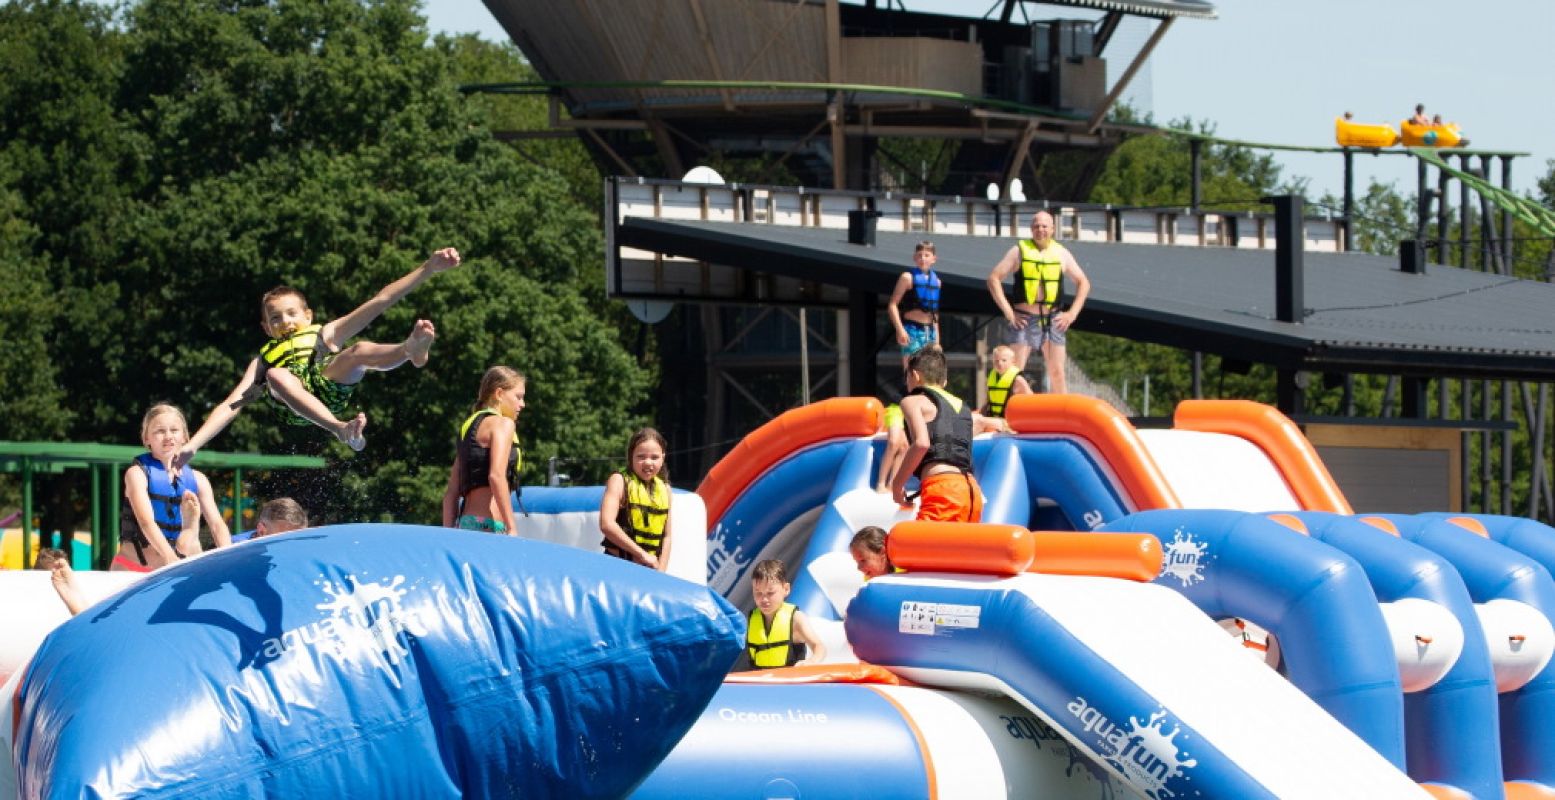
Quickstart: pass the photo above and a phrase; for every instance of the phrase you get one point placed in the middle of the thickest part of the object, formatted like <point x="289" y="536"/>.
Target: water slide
<point x="1132" y="673"/>
<point x="800" y="487"/>
<point x="1474" y="727"/>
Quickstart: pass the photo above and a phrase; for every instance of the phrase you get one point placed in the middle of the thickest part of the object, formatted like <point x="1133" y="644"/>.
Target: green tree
<point x="1157" y="170"/>
<point x="325" y="145"/>
<point x="1382" y="218"/>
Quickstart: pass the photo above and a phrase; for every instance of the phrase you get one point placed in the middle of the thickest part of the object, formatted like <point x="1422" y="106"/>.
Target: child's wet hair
<point x="929" y="363"/>
<point x="924" y="245"/>
<point x="649" y="434"/>
<point x="158" y="410"/>
<point x="770" y="569"/>
<point x="283" y="510"/>
<point x="281" y="291"/>
<point x="870" y="538"/>
<point x="497" y="379"/>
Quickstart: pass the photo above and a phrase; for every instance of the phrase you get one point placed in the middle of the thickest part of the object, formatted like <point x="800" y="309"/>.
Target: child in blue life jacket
<point x="914" y="304"/>
<point x="307" y="371"/>
<point x="163" y="502"/>
<point x="778" y="633"/>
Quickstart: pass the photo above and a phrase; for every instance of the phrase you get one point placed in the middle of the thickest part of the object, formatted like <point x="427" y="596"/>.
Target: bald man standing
<point x="1033" y="311"/>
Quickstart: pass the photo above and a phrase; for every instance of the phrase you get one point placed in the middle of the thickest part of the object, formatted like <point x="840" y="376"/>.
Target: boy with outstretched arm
<point x="939" y="445"/>
<point x="305" y="367"/>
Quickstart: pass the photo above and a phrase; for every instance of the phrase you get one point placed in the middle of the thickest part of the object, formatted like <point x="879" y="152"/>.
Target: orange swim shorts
<point x="950" y="497"/>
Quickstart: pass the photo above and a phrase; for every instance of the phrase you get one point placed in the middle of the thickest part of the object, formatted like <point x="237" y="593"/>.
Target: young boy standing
<point x="778" y="633"/>
<point x="305" y="368"/>
<point x="914" y="304"/>
<point x="939" y="451"/>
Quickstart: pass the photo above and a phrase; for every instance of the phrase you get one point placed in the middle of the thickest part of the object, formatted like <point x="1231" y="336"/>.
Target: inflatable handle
<point x="1130" y="556"/>
<point x="961" y="547"/>
<point x="1106" y="430"/>
<point x="792" y="431"/>
<point x="1278" y="437"/>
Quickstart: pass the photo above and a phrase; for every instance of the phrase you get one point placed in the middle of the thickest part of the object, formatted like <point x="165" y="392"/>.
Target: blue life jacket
<point x="165" y="491"/>
<point x="925" y="293"/>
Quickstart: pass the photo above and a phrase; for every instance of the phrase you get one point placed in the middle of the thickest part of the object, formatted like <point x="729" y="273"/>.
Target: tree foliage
<point x="1157" y="171"/>
<point x="163" y="169"/>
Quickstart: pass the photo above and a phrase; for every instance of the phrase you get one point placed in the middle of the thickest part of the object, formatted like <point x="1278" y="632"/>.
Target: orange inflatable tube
<point x="973" y="547"/>
<point x="858" y="672"/>
<point x="1130" y="556"/>
<point x="792" y="430"/>
<point x="1106" y="430"/>
<point x="986" y="549"/>
<point x="1279" y="438"/>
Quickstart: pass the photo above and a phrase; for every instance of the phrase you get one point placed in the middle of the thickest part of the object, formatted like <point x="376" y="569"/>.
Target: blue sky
<point x="1273" y="71"/>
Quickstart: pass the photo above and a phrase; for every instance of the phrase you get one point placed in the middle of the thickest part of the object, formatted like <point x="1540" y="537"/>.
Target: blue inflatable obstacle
<point x="375" y="661"/>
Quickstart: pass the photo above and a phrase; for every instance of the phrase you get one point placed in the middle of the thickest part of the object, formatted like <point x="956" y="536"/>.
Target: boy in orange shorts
<point x="939" y="451"/>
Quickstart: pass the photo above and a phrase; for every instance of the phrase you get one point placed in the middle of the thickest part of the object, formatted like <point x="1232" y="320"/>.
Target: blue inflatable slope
<point x="375" y="661"/>
<point x="1131" y="674"/>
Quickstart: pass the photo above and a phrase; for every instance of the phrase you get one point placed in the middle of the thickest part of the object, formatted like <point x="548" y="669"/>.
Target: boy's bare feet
<point x="351" y="433"/>
<point x="64" y="580"/>
<point x="419" y="343"/>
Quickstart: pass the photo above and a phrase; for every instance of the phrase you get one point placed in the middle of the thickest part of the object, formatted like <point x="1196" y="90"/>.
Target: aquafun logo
<point x="364" y="621"/>
<point x="1185" y="559"/>
<point x="724" y="566"/>
<point x="1142" y="753"/>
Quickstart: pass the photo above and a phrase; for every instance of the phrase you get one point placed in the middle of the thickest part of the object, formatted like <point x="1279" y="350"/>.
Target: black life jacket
<point x="477" y="459"/>
<point x="950" y="432"/>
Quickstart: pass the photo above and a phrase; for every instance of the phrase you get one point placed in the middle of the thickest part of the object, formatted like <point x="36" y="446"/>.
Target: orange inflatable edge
<point x="790" y="431"/>
<point x="1278" y="437"/>
<point x="860" y="672"/>
<point x="1108" y="431"/>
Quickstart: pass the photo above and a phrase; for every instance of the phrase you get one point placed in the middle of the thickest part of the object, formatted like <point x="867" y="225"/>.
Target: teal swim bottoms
<point x="470" y="522"/>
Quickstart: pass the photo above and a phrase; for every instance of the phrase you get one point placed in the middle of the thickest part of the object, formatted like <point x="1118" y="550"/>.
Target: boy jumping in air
<point x="305" y="368"/>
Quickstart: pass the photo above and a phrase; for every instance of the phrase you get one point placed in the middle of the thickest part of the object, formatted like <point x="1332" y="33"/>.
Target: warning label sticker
<point x="927" y="618"/>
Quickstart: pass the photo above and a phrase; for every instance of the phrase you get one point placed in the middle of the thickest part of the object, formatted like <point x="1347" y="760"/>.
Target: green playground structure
<point x="33" y="458"/>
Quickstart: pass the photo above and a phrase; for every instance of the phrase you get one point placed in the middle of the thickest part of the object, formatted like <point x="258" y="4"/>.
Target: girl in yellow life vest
<point x="487" y="458"/>
<point x="778" y="634"/>
<point x="869" y="552"/>
<point x="634" y="514"/>
<point x="1004" y="381"/>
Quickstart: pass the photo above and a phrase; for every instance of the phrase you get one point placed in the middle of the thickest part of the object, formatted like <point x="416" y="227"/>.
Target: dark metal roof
<point x="1148" y="8"/>
<point x="1363" y="313"/>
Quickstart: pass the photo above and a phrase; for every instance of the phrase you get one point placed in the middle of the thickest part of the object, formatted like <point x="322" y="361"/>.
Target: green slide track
<point x="1531" y="213"/>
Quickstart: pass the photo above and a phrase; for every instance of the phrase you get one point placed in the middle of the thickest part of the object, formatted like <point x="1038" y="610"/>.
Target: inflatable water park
<point x="1193" y="611"/>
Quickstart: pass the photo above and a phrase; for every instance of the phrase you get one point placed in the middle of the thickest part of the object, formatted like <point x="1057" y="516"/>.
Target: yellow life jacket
<point x="1041" y="281"/>
<point x="644" y="510"/>
<point x="893" y="416"/>
<point x="999" y="385"/>
<point x="772" y="648"/>
<point x="293" y="351"/>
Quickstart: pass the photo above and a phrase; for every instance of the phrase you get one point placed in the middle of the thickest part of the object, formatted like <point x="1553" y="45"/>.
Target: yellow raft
<point x="1356" y="134"/>
<point x="1446" y="135"/>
